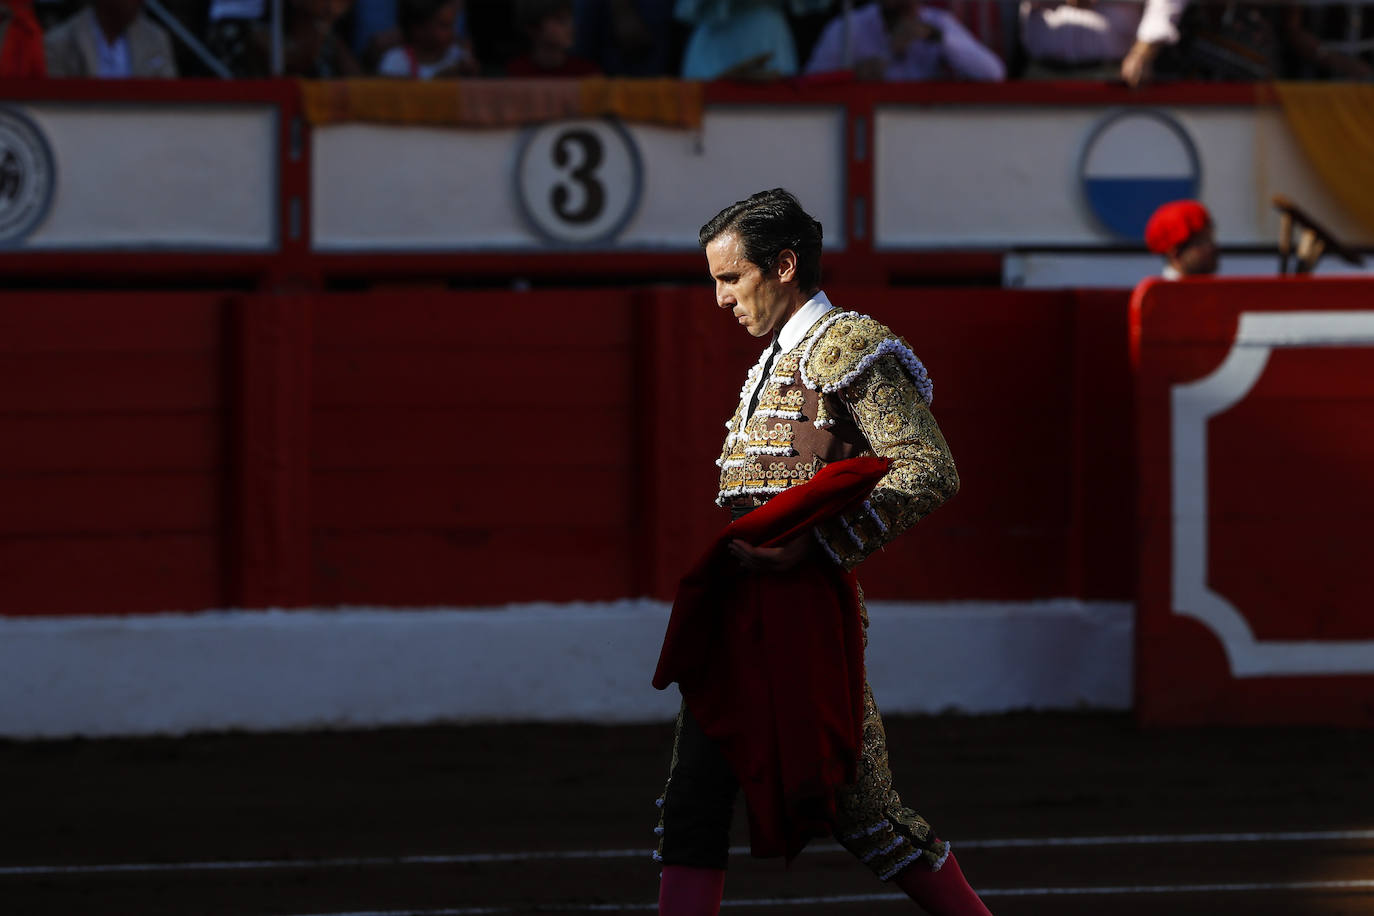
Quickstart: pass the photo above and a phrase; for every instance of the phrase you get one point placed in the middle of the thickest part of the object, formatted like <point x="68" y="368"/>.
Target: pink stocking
<point x="687" y="891"/>
<point x="941" y="893"/>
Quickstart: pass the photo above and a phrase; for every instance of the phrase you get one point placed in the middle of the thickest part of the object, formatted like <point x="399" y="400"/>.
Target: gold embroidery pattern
<point x="841" y="348"/>
<point x="889" y="411"/>
<point x="761" y="432"/>
<point x="777" y="475"/>
<point x="769" y="434"/>
<point x="872" y="822"/>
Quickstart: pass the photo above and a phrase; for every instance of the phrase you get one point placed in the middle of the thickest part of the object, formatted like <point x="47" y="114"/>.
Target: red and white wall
<point x="276" y="511"/>
<point x="266" y="471"/>
<point x="1253" y="403"/>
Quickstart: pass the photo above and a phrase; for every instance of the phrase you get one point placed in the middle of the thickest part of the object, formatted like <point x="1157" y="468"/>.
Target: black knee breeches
<point x="698" y="802"/>
<point x="871" y="821"/>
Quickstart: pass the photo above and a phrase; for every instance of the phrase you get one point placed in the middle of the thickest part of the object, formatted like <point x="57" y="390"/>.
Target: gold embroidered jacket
<point x="850" y="387"/>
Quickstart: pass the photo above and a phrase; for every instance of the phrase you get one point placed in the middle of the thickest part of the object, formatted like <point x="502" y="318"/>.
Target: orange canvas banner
<point x="501" y="103"/>
<point x="1334" y="124"/>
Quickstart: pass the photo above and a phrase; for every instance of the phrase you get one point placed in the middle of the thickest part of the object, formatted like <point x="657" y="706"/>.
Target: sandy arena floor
<point x="1065" y="814"/>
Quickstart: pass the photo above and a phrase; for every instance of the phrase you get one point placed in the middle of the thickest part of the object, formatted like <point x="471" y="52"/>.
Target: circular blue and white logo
<point x="1132" y="162"/>
<point x="578" y="182"/>
<point x="27" y="176"/>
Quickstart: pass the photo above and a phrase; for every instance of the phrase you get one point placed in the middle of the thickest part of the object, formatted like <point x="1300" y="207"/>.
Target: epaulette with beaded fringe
<point x="847" y="344"/>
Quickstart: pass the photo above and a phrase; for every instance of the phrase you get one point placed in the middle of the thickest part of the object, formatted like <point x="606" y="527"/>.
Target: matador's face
<point x="759" y="299"/>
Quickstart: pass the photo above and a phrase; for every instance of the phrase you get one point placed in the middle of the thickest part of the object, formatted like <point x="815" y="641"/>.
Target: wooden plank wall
<point x="114" y="452"/>
<point x="422" y="446"/>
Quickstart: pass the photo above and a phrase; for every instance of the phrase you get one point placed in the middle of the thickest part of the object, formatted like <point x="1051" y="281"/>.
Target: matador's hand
<point x="774" y="559"/>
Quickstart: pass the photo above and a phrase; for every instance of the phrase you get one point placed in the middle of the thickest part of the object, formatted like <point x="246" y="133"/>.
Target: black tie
<point x="763" y="380"/>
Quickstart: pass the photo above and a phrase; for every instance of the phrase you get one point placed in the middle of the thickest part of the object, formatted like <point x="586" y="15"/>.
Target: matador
<point x="833" y="390"/>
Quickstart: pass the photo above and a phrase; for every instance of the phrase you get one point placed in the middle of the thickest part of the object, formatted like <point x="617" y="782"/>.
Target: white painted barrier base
<point x="575" y="662"/>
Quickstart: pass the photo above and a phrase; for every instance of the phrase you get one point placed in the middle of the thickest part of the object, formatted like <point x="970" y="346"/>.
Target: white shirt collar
<point x="796" y="327"/>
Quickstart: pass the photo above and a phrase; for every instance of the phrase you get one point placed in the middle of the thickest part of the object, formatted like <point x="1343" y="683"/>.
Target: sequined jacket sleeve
<point x="887" y="406"/>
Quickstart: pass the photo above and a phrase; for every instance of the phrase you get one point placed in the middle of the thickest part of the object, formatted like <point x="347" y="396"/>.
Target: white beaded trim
<point x="782" y="451"/>
<point x="731" y="463"/>
<point x="824" y="423"/>
<point x="913" y="365"/>
<point x="838" y="562"/>
<point x="753" y="375"/>
<point x="896" y="841"/>
<point x="924" y="387"/>
<point x="873" y="514"/>
<point x="858" y="541"/>
<point x="941" y="861"/>
<point x="896" y="869"/>
<point x="819" y="333"/>
<point x="881" y="825"/>
<point x="726" y="495"/>
<point x="779" y="414"/>
<point x="658" y="856"/>
<point x="734" y="425"/>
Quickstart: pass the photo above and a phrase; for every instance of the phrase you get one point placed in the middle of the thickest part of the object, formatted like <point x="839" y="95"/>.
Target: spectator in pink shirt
<point x="902" y="40"/>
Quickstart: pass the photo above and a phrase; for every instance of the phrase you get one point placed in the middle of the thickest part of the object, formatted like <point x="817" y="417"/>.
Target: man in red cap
<point x="1182" y="232"/>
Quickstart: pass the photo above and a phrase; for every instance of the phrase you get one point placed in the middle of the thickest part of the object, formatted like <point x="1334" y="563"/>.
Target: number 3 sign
<point x="578" y="182"/>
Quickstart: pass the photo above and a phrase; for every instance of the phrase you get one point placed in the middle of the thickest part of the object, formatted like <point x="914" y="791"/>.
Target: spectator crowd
<point x="1130" y="41"/>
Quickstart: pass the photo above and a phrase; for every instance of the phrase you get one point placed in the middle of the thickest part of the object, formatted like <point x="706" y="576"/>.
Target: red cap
<point x="1174" y="223"/>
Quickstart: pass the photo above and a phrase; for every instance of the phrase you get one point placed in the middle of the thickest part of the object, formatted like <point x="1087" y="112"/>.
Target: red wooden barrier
<point x="472" y="448"/>
<point x="115" y="459"/>
<point x="181" y="452"/>
<point x="1255" y="499"/>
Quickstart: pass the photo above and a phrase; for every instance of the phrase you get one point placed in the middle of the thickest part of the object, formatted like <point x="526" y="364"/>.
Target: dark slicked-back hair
<point x="766" y="224"/>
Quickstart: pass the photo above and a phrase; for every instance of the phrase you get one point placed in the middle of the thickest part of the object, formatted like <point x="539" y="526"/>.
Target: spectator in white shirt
<point x="110" y="39"/>
<point x="1158" y="29"/>
<point x="902" y="40"/>
<point x="432" y="48"/>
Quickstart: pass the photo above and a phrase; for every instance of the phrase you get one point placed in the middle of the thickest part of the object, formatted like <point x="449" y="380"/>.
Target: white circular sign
<point x="578" y="182"/>
<point x="27" y="176"/>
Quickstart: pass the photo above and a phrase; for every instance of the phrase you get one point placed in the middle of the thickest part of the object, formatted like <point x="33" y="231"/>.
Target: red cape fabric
<point x="771" y="664"/>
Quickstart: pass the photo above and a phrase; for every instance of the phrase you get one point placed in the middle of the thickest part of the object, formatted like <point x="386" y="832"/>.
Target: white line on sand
<point x="478" y="858"/>
<point x="764" y="902"/>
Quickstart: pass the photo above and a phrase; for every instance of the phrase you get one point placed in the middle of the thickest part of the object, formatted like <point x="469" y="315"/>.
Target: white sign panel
<point x="1021" y="177"/>
<point x="587" y="184"/>
<point x="148" y="177"/>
